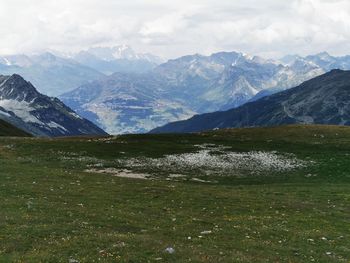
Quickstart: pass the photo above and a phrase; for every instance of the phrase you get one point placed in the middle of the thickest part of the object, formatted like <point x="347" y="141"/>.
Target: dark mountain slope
<point x="322" y="100"/>
<point x="7" y="129"/>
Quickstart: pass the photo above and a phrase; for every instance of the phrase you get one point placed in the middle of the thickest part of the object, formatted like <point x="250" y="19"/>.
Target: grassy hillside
<point x="7" y="129"/>
<point x="247" y="195"/>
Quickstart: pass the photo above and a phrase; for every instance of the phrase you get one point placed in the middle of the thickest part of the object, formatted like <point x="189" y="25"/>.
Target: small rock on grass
<point x="170" y="250"/>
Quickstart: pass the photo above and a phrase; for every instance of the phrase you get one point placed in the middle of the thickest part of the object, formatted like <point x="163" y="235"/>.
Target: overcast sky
<point x="172" y="28"/>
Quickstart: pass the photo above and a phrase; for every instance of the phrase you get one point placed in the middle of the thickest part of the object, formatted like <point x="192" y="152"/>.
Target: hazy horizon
<point x="64" y="54"/>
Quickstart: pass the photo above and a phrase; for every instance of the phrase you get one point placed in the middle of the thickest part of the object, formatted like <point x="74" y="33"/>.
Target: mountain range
<point x="54" y="73"/>
<point x="322" y="100"/>
<point x="323" y="60"/>
<point x="127" y="92"/>
<point x="22" y="106"/>
<point x="180" y="88"/>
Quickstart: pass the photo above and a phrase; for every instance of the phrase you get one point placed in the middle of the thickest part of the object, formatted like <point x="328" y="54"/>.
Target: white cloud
<point x="174" y="28"/>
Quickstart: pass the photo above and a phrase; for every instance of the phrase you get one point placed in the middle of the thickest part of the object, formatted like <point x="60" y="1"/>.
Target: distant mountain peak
<point x="120" y="52"/>
<point x="323" y="54"/>
<point x="47" y="54"/>
<point x="109" y="60"/>
<point x="322" y="60"/>
<point x="124" y="51"/>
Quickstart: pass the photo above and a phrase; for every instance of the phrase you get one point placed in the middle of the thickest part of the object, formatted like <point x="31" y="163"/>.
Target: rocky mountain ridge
<point x="322" y="100"/>
<point x="24" y="107"/>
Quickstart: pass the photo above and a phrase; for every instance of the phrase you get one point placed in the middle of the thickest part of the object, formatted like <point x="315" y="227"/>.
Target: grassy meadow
<point x="277" y="194"/>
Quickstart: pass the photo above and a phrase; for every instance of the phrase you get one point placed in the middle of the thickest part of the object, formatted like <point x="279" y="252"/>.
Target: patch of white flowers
<point x="218" y="159"/>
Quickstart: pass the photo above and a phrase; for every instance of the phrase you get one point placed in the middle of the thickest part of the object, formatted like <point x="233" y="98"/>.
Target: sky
<point x="269" y="28"/>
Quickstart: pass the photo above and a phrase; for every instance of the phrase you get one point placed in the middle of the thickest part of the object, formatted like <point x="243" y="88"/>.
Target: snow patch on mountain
<point x="22" y="109"/>
<point x="5" y="113"/>
<point x="55" y="125"/>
